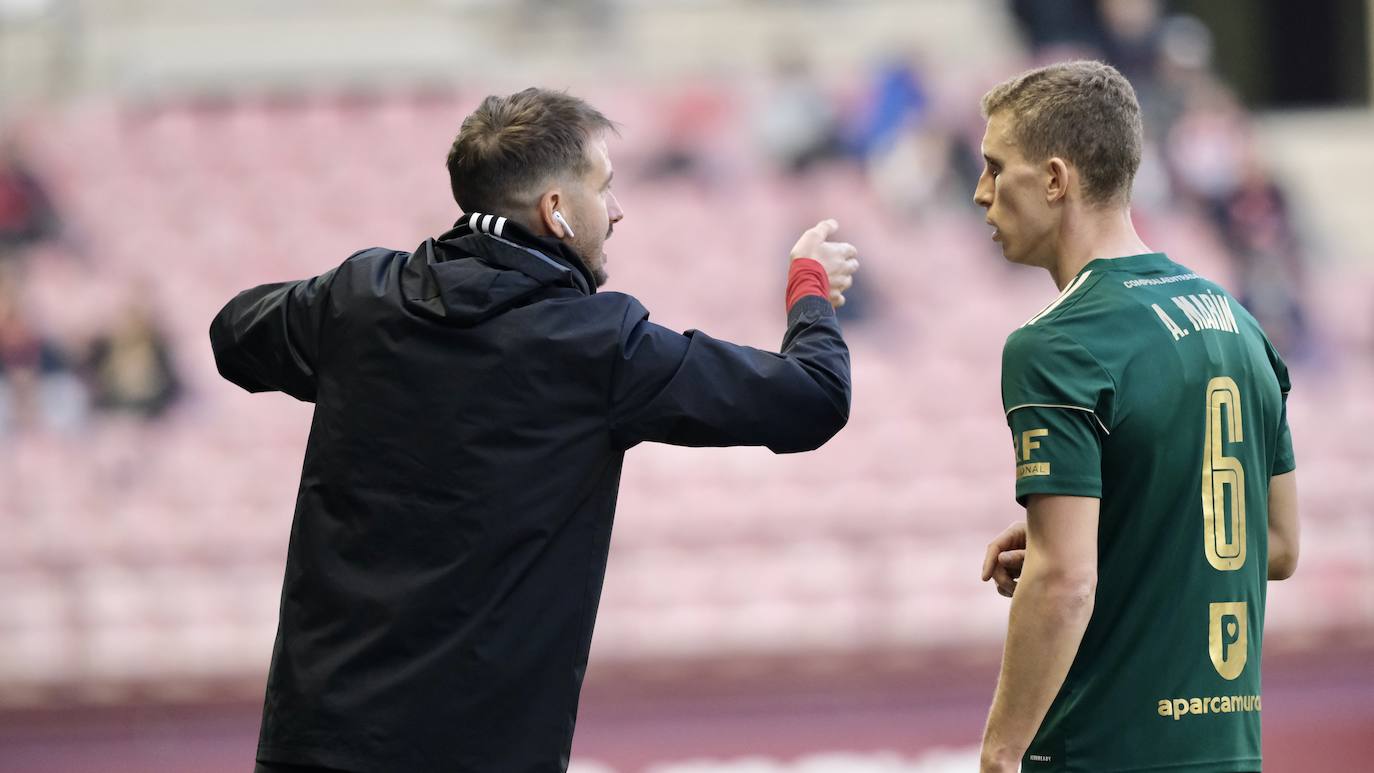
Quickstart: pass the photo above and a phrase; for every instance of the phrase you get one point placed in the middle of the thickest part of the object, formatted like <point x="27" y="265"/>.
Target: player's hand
<point x="839" y="259"/>
<point x="1004" y="558"/>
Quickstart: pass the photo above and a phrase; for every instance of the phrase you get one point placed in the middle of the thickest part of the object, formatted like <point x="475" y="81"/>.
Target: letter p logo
<point x="1226" y="638"/>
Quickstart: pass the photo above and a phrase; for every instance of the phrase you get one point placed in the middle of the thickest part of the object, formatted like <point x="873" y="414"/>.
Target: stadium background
<point x="810" y="613"/>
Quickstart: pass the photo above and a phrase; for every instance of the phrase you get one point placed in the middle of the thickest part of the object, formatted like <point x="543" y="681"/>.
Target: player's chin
<point x="1011" y="255"/>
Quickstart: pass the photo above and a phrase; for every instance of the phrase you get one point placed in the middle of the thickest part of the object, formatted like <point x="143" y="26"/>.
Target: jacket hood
<point x="487" y="265"/>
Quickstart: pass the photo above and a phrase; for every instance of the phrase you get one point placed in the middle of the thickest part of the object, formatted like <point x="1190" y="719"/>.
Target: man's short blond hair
<point x="1083" y="112"/>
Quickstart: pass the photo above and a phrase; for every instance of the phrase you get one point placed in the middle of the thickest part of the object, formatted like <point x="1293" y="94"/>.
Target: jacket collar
<point x="505" y="243"/>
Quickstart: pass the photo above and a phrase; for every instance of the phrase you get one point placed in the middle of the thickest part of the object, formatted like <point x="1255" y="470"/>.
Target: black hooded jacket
<point x="473" y="403"/>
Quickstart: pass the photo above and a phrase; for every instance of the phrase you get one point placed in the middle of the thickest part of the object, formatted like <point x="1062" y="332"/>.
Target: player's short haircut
<point x="510" y="146"/>
<point x="1083" y="112"/>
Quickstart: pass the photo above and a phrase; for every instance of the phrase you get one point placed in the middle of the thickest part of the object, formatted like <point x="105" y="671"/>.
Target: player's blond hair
<point x="1084" y="112"/>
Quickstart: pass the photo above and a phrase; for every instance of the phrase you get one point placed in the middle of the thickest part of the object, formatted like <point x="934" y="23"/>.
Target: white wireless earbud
<point x="559" y="217"/>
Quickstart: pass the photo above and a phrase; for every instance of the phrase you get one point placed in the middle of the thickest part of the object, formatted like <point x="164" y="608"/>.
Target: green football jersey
<point x="1150" y="388"/>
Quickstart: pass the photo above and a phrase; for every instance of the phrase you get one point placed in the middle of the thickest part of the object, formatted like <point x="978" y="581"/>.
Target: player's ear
<point x="548" y="204"/>
<point x="1057" y="172"/>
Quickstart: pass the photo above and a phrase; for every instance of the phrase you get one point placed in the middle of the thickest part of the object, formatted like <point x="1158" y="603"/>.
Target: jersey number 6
<point x="1223" y="519"/>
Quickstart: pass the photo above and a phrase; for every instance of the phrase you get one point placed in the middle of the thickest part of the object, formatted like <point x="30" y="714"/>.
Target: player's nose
<point x="982" y="193"/>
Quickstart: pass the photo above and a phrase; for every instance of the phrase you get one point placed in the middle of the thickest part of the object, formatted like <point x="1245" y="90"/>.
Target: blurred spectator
<point x="1184" y="66"/>
<point x="130" y="368"/>
<point x="1205" y="145"/>
<point x="691" y="119"/>
<point x="1215" y="161"/>
<point x="1131" y="36"/>
<point x="1257" y="227"/>
<point x="26" y="212"/>
<point x="898" y="103"/>
<point x="38" y="389"/>
<point x="1058" y="23"/>
<point x="914" y="169"/>
<point x="796" y="123"/>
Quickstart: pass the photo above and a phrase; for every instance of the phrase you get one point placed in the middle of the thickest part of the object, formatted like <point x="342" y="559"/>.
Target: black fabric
<point x="277" y="767"/>
<point x="473" y="401"/>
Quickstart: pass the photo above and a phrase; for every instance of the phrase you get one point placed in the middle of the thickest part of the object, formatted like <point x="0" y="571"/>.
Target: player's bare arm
<point x="1050" y="611"/>
<point x="1283" y="525"/>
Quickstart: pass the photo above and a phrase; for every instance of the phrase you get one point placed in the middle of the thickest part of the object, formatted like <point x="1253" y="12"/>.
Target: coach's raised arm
<point x="694" y="390"/>
<point x="473" y="403"/>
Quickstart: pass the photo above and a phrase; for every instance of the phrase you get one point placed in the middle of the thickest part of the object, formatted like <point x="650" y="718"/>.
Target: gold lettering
<point x="1211" y="704"/>
<point x="1032" y="470"/>
<point x="1029" y="442"/>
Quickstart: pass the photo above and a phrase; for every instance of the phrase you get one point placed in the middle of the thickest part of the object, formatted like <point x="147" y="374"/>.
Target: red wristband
<point x="806" y="277"/>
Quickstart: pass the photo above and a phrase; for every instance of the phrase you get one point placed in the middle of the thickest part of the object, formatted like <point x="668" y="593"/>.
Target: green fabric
<point x="1107" y="399"/>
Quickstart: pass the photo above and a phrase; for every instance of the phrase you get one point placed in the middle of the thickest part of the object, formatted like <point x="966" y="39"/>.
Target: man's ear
<point x="1057" y="181"/>
<point x="548" y="204"/>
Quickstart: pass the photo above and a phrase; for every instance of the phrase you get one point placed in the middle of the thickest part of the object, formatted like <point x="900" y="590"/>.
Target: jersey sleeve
<point x="1284" y="461"/>
<point x="1058" y="401"/>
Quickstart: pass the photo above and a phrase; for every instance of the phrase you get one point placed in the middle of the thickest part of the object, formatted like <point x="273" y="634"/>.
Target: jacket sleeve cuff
<point x="809" y="308"/>
<point x="806" y="277"/>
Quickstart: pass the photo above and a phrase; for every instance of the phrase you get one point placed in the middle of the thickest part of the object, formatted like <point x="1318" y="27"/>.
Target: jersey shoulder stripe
<point x="1089" y="411"/>
<point x="1064" y="296"/>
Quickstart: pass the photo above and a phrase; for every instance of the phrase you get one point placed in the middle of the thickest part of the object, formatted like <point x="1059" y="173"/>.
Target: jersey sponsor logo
<point x="1226" y="637"/>
<point x="1178" y="708"/>
<point x="1029" y="442"/>
<point x="1156" y="281"/>
<point x="1026" y="444"/>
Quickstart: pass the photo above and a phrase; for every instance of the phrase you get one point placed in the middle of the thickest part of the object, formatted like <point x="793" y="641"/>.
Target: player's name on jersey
<point x="1202" y="311"/>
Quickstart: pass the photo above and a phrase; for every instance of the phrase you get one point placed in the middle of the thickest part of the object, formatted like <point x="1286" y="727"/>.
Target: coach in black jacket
<point x="473" y="404"/>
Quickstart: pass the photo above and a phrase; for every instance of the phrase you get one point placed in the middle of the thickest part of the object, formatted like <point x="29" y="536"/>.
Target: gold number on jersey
<point x="1224" y="527"/>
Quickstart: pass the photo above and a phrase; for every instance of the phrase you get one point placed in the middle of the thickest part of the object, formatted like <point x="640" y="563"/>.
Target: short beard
<point x="599" y="274"/>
